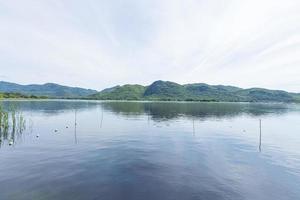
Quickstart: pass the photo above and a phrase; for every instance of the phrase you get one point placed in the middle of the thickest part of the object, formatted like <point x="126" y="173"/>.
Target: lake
<point x="87" y="150"/>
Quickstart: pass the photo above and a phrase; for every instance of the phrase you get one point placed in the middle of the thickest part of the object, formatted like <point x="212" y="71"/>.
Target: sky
<point x="102" y="43"/>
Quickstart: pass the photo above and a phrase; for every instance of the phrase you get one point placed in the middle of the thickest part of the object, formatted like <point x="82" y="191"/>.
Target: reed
<point x="12" y="121"/>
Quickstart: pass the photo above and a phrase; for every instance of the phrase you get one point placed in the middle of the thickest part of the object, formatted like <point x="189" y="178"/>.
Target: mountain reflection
<point x="157" y="110"/>
<point x="51" y="107"/>
<point x="173" y="110"/>
<point x="13" y="122"/>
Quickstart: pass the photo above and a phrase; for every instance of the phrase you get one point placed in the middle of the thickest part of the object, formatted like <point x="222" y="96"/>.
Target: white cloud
<point x="96" y="44"/>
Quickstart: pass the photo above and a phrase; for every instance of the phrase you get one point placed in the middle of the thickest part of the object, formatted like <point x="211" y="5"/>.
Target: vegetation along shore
<point x="157" y="91"/>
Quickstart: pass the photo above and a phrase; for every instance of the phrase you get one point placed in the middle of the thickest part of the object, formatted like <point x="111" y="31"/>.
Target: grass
<point x="12" y="123"/>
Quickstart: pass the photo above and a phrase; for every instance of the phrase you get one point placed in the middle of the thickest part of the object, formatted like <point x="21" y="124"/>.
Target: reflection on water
<point x="149" y="150"/>
<point x="50" y="107"/>
<point x="158" y="110"/>
<point x="169" y="110"/>
<point x="12" y="122"/>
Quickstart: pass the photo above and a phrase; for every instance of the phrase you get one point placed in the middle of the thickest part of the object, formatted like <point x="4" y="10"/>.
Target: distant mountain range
<point x="170" y="91"/>
<point x="159" y="90"/>
<point x="50" y="90"/>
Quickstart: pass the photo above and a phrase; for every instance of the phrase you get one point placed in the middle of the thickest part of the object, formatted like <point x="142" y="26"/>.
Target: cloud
<point x="3" y="77"/>
<point x="97" y="44"/>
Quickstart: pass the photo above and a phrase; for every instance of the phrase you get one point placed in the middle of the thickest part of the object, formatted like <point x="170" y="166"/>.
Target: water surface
<point x="75" y="150"/>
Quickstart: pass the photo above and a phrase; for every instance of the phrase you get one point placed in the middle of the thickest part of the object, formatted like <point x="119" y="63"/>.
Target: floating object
<point x="37" y="135"/>
<point x="11" y="142"/>
<point x="55" y="130"/>
<point x="244" y="130"/>
<point x="67" y="127"/>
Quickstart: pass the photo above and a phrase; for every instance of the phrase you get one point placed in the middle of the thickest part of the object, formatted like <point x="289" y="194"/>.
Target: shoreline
<point x="143" y="101"/>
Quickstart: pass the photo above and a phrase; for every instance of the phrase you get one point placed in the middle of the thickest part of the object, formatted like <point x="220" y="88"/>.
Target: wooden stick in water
<point x="259" y="135"/>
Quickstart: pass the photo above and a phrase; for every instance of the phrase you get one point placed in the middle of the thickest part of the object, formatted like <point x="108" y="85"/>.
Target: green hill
<point x="49" y="90"/>
<point x="126" y="92"/>
<point x="164" y="90"/>
<point x="260" y="94"/>
<point x="158" y="90"/>
<point x="18" y="96"/>
<point x="170" y="91"/>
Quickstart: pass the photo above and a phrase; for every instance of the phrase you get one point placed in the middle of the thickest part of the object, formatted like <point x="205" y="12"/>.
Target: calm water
<point x="141" y="151"/>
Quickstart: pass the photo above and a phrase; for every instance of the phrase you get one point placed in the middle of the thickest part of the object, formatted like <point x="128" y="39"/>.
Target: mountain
<point x="125" y="92"/>
<point x="165" y="90"/>
<point x="158" y="90"/>
<point x="51" y="90"/>
<point x="170" y="91"/>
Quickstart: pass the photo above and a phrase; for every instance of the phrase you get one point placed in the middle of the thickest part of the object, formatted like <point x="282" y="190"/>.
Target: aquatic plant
<point x="12" y="122"/>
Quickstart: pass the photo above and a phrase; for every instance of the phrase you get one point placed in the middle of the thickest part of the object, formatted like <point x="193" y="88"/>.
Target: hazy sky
<point x="102" y="43"/>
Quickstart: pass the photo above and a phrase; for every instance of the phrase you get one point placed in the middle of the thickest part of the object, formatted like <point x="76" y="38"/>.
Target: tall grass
<point x="12" y="123"/>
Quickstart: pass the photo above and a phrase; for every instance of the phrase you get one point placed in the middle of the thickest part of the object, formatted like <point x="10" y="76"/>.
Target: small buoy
<point x="55" y="130"/>
<point x="37" y="135"/>
<point x="11" y="143"/>
<point x="67" y="127"/>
